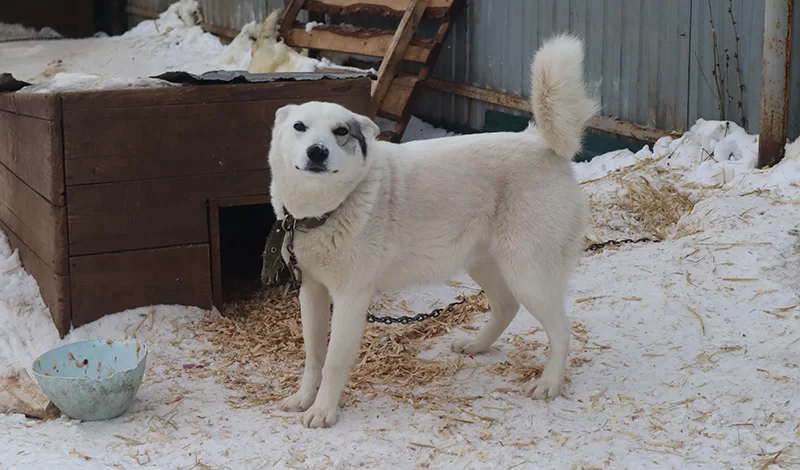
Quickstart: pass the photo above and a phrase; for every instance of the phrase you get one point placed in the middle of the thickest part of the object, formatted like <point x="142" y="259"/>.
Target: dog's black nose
<point x="317" y="153"/>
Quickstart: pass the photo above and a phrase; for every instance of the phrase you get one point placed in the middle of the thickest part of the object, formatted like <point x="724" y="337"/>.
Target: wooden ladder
<point x="394" y="93"/>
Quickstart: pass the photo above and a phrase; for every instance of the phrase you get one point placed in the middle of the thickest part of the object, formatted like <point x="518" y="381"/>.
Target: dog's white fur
<point x="504" y="206"/>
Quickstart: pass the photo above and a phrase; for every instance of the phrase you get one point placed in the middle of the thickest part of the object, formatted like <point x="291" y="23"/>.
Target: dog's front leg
<point x="315" y="309"/>
<point x="347" y="330"/>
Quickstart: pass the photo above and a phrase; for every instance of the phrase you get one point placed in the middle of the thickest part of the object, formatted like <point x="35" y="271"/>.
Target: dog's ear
<point x="364" y="130"/>
<point x="368" y="127"/>
<point x="282" y="113"/>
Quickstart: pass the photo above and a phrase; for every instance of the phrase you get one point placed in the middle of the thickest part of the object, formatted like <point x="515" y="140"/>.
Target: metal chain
<point x="436" y="313"/>
<point x="406" y="319"/>
<point x="294" y="269"/>
<point x="597" y="246"/>
<point x="30" y="39"/>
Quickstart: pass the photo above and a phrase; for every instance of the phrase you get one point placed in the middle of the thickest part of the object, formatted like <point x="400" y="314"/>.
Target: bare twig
<point x="717" y="71"/>
<point x="736" y="56"/>
<point x="703" y="74"/>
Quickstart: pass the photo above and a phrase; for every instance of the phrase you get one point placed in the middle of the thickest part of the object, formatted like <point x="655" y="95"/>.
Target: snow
<point x="65" y="82"/>
<point x="16" y="31"/>
<point x="173" y="42"/>
<point x="311" y="25"/>
<point x="689" y="359"/>
<point x="612" y="161"/>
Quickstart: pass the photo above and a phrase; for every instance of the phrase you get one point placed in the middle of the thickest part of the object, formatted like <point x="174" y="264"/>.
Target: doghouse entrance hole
<point x="243" y="231"/>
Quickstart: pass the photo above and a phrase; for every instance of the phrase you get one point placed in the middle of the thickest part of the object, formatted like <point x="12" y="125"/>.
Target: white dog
<point x="504" y="206"/>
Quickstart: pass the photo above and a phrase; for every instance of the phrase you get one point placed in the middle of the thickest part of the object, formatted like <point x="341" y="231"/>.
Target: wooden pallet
<point x="393" y="93"/>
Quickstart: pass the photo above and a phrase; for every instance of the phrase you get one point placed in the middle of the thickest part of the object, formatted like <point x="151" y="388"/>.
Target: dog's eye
<point x="340" y="131"/>
<point x="299" y="126"/>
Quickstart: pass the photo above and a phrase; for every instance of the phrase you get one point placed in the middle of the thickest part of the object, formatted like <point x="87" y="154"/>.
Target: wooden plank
<point x="288" y="15"/>
<point x="31" y="149"/>
<point x="397" y="49"/>
<point x="53" y="287"/>
<point x="353" y="40"/>
<point x="395" y="103"/>
<point x="216" y="256"/>
<point x="38" y="223"/>
<point x="113" y="282"/>
<point x="436" y="10"/>
<point x="125" y="144"/>
<point x="600" y="123"/>
<point x="482" y="94"/>
<point x="244" y="200"/>
<point x="151" y="213"/>
<point x="426" y="70"/>
<point x="184" y="95"/>
<point x="38" y="105"/>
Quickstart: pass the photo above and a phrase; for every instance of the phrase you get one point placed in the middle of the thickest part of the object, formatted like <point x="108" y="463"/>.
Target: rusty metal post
<point x="775" y="81"/>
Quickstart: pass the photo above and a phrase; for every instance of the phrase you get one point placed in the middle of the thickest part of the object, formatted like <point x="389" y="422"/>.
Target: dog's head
<point x="322" y="141"/>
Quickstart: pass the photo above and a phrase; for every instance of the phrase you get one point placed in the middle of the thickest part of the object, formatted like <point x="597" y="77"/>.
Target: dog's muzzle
<point x="317" y="156"/>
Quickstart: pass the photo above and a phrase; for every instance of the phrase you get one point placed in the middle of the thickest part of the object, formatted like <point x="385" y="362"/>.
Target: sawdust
<point x="642" y="200"/>
<point x="656" y="207"/>
<point x="259" y="353"/>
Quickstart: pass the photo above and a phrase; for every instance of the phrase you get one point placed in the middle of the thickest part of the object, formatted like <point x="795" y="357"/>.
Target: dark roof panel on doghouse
<point x="227" y="76"/>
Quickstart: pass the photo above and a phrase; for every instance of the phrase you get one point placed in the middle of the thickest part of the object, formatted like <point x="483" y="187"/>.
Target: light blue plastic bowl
<point x="94" y="379"/>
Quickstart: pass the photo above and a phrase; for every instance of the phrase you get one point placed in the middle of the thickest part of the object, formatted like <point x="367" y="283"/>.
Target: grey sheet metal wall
<point x="649" y="61"/>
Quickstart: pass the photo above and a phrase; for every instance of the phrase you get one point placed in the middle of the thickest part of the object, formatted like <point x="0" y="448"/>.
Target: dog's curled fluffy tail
<point x="561" y="103"/>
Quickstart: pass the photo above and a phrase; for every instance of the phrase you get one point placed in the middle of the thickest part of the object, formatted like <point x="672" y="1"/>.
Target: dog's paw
<point x="320" y="416"/>
<point x="544" y="388"/>
<point x="298" y="402"/>
<point x="469" y="346"/>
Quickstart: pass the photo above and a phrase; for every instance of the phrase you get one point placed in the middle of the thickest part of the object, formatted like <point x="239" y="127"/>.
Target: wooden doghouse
<point x="127" y="198"/>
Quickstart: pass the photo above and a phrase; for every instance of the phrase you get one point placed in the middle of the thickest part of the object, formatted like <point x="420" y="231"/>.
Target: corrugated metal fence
<point x="650" y="62"/>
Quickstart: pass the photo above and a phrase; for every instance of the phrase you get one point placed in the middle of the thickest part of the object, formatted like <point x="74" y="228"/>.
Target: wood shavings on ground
<point x="642" y="200"/>
<point x="264" y="334"/>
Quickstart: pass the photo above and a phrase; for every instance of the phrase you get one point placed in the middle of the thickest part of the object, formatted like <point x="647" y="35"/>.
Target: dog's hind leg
<point x="542" y="294"/>
<point x="315" y="309"/>
<point x="504" y="307"/>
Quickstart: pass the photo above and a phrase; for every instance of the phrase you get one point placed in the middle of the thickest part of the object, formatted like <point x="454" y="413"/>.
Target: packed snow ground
<point x="690" y="359"/>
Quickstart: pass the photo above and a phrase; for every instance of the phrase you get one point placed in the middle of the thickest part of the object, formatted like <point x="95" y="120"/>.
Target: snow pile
<point x="416" y="129"/>
<point x="27" y="327"/>
<point x="16" y="31"/>
<point x="793" y="150"/>
<point x="65" y="82"/>
<point x="311" y="25"/>
<point x="175" y="41"/>
<point x="612" y="161"/>
<point x="711" y="153"/>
